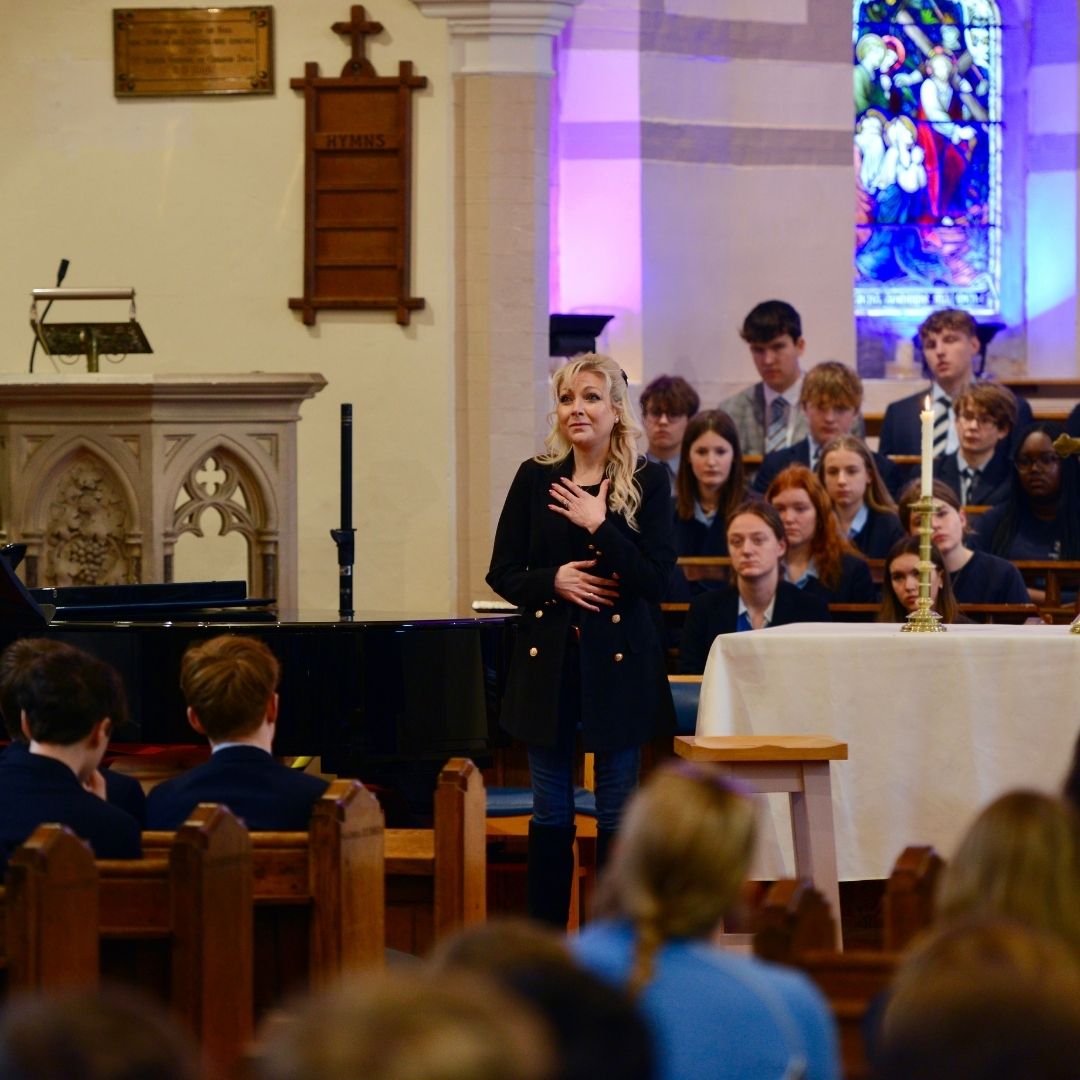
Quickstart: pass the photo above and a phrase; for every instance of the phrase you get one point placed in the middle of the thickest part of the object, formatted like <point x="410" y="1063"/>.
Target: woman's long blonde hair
<point x="624" y="495"/>
<point x="684" y="850"/>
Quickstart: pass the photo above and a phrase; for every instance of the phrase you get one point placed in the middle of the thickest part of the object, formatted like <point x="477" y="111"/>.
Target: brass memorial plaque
<point x="177" y="51"/>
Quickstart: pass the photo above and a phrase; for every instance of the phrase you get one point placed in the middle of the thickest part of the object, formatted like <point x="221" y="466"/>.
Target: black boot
<point x="551" y="872"/>
<point x="605" y="838"/>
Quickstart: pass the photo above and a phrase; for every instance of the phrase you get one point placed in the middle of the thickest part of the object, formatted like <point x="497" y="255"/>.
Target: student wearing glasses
<point x="980" y="470"/>
<point x="667" y="404"/>
<point x="1041" y="517"/>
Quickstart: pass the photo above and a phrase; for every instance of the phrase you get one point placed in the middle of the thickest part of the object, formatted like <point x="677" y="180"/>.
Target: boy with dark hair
<point x="15" y="662"/>
<point x="667" y="403"/>
<point x="68" y="703"/>
<point x="230" y="685"/>
<point x="950" y="344"/>
<point x="765" y="413"/>
<point x="980" y="470"/>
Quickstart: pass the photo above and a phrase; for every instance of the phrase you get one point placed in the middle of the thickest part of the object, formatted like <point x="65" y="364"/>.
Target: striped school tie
<point x="968" y="479"/>
<point x="778" y="422"/>
<point x="941" y="425"/>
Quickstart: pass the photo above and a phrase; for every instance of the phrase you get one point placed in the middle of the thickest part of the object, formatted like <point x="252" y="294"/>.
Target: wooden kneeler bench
<point x="182" y="924"/>
<point x="436" y="879"/>
<point x="798" y="766"/>
<point x="318" y="895"/>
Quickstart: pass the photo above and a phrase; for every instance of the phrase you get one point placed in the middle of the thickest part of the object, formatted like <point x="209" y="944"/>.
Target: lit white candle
<point x="927" y="417"/>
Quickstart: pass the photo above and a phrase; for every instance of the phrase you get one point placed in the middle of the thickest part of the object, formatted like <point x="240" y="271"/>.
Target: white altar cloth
<point x="937" y="725"/>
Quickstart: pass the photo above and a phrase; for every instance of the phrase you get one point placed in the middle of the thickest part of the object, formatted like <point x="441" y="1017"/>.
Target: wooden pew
<point x="182" y="925"/>
<point x="908" y="906"/>
<point x="436" y="879"/>
<point x="319" y="895"/>
<point x="49" y="913"/>
<point x="794" y="928"/>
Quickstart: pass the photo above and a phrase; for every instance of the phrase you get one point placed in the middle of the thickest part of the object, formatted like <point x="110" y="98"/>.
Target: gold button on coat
<point x="534" y="651"/>
<point x="616" y="619"/>
<point x="618" y="658"/>
<point x="539" y="614"/>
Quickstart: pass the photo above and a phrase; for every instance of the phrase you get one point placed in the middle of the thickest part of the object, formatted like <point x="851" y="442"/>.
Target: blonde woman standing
<point x="584" y="548"/>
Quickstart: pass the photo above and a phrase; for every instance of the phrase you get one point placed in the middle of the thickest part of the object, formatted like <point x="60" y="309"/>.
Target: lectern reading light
<point x="89" y="339"/>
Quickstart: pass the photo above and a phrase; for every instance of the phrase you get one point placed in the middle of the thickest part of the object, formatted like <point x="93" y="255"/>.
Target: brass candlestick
<point x="924" y="620"/>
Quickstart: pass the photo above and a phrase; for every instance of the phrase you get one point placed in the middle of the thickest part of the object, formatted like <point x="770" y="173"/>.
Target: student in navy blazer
<point x="977" y="576"/>
<point x="709" y="485"/>
<point x="67" y="701"/>
<point x="950" y="344"/>
<point x="863" y="506"/>
<point x="819" y="558"/>
<point x="980" y="470"/>
<point x="759" y="598"/>
<point x="117" y="788"/>
<point x="230" y="685"/>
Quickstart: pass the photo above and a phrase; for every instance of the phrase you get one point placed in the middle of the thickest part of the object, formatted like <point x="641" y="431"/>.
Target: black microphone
<point x="61" y="273"/>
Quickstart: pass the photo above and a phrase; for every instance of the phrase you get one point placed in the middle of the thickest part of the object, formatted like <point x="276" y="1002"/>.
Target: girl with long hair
<point x="710" y="483"/>
<point x="584" y="549"/>
<point x="863" y="506"/>
<point x="818" y="556"/>
<point x="900" y="587"/>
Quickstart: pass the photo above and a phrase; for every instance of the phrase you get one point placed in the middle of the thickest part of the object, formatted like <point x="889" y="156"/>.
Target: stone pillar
<point x="502" y="70"/>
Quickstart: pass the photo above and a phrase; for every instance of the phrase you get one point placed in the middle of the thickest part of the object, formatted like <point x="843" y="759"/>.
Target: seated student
<point x="950" y="344"/>
<point x="977" y="577"/>
<point x="759" y="598"/>
<point x="979" y="469"/>
<point x="818" y="557"/>
<point x="1041" y="517"/>
<point x="830" y="398"/>
<point x="123" y="791"/>
<point x="684" y="849"/>
<point x="863" y="506"/>
<point x="765" y="414"/>
<point x="230" y="685"/>
<point x="709" y="486"/>
<point x="900" y="588"/>
<point x="68" y="703"/>
<point x="667" y="403"/>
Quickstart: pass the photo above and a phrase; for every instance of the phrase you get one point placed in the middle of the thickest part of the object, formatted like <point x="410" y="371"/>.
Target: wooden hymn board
<point x="357" y="183"/>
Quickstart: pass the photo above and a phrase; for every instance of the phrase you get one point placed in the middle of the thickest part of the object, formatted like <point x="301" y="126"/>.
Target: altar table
<point x="937" y="725"/>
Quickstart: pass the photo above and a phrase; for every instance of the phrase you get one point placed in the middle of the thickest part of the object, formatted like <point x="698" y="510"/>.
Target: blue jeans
<point x="551" y="768"/>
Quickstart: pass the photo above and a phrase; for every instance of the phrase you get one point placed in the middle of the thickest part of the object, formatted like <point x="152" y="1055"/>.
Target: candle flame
<point x="926" y="403"/>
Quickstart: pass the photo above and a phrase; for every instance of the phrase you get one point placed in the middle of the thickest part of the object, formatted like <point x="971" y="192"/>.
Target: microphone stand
<point x="345" y="537"/>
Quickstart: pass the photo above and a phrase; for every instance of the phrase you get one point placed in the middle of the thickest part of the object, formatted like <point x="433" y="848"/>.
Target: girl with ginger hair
<point x="818" y="556"/>
<point x="684" y="850"/>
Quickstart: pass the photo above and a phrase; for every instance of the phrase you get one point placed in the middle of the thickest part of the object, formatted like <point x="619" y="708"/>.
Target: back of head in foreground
<point x="408" y="1025"/>
<point x="684" y="850"/>
<point x="1019" y="860"/>
<point x="983" y="1000"/>
<point x="107" y="1034"/>
<point x="597" y="1030"/>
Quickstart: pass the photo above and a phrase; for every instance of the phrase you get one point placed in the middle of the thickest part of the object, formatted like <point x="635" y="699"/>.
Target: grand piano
<point x="385" y="697"/>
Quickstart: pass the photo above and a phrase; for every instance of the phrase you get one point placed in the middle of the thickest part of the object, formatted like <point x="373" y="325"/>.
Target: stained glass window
<point x="927" y="156"/>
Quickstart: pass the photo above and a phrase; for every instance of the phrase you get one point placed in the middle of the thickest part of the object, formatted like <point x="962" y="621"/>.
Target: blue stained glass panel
<point x="927" y="93"/>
